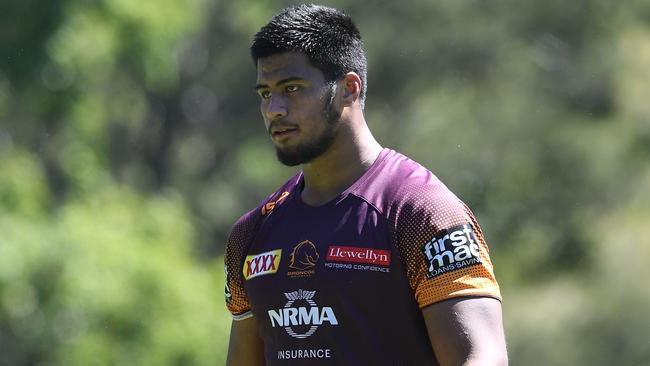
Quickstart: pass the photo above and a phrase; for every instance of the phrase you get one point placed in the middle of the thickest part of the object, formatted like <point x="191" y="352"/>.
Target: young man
<point x="363" y="257"/>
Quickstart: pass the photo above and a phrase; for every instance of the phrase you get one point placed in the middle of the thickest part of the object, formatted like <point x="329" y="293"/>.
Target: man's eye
<point x="292" y="88"/>
<point x="265" y="94"/>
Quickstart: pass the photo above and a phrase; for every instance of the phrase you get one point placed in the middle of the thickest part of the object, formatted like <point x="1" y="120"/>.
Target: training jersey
<point x="344" y="283"/>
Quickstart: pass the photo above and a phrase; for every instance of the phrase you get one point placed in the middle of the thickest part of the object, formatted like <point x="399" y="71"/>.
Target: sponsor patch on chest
<point x="301" y="316"/>
<point x="261" y="264"/>
<point x="452" y="249"/>
<point x="358" y="255"/>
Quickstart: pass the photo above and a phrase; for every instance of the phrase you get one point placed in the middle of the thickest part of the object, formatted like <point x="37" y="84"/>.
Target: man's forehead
<point x="284" y="65"/>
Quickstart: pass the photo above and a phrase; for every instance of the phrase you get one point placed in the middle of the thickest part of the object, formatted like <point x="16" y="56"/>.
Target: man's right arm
<point x="246" y="346"/>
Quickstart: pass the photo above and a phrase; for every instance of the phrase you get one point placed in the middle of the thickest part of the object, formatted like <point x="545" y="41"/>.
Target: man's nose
<point x="276" y="108"/>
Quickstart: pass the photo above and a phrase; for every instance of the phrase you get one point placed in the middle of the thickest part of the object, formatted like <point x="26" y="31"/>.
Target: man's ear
<point x="351" y="88"/>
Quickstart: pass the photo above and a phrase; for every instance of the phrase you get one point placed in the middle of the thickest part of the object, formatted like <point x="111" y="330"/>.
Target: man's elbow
<point x="494" y="358"/>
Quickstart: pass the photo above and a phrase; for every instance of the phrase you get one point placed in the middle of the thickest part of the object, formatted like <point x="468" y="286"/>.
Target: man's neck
<point x="340" y="166"/>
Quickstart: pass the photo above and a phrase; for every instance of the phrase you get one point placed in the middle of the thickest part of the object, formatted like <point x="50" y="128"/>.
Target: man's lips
<point x="282" y="131"/>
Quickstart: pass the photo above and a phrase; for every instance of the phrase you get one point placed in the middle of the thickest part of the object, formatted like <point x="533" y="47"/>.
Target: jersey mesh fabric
<point x="416" y="206"/>
<point x="240" y="237"/>
<point x="423" y="211"/>
<point x="242" y="231"/>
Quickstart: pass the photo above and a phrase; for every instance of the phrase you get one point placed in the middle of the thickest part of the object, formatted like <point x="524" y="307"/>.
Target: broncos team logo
<point x="304" y="256"/>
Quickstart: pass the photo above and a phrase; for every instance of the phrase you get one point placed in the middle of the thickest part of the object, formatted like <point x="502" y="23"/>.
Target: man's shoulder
<point x="400" y="180"/>
<point x="267" y="205"/>
<point x="422" y="203"/>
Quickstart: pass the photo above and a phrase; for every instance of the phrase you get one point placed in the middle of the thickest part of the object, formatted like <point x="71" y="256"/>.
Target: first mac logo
<point x="261" y="264"/>
<point x="451" y="249"/>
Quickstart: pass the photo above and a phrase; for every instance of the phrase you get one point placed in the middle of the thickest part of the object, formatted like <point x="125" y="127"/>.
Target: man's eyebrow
<point x="281" y="82"/>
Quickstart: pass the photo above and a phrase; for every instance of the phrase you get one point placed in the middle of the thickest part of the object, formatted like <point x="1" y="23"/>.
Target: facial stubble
<point x="306" y="152"/>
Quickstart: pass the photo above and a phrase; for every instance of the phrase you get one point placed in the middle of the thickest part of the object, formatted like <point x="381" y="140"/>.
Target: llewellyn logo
<point x="358" y="255"/>
<point x="262" y="264"/>
<point x="452" y="249"/>
<point x="303" y="259"/>
<point x="306" y="319"/>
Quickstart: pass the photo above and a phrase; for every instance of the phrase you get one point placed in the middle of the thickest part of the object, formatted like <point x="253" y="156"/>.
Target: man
<point x="363" y="257"/>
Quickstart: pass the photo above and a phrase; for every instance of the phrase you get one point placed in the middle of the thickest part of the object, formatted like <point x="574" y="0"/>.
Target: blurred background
<point x="131" y="140"/>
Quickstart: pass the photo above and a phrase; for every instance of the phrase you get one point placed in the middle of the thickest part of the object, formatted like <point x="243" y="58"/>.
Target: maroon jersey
<point x="344" y="283"/>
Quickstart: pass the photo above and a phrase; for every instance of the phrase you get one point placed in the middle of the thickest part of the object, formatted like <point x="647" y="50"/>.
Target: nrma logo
<point x="301" y="321"/>
<point x="452" y="249"/>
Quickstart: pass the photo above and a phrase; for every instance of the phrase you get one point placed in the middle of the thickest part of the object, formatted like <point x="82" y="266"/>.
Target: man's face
<point x="298" y="107"/>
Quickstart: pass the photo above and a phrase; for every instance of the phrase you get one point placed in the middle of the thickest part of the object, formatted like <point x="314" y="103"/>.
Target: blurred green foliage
<point x="107" y="280"/>
<point x="130" y="141"/>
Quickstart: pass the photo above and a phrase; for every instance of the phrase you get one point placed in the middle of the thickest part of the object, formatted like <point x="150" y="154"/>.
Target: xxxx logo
<point x="262" y="264"/>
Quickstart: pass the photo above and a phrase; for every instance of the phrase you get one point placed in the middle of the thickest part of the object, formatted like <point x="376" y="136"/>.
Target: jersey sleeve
<point x="241" y="236"/>
<point x="236" y="247"/>
<point x="441" y="246"/>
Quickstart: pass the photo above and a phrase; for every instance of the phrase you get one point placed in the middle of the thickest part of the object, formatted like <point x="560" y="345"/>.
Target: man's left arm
<point x="467" y="331"/>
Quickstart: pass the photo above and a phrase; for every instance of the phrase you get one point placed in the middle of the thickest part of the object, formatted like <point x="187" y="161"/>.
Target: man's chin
<point x="290" y="159"/>
<point x="304" y="153"/>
